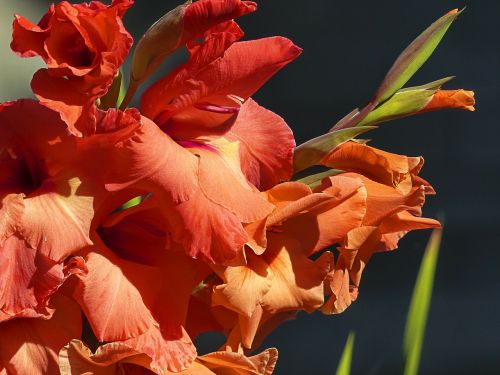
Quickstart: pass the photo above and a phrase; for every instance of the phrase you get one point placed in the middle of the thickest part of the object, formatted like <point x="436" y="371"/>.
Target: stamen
<point x="217" y="108"/>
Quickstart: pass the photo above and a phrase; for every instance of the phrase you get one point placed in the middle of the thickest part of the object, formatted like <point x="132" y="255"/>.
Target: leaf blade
<point x="344" y="366"/>
<point x="419" y="306"/>
<point x="311" y="152"/>
<point x="414" y="56"/>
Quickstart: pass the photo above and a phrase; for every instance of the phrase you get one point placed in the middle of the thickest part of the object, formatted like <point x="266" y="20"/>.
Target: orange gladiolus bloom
<point x="136" y="231"/>
<point x="222" y="141"/>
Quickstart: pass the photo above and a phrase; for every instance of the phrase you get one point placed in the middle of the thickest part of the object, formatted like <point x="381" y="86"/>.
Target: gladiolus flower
<point x="83" y="46"/>
<point x="221" y="139"/>
<point x="390" y="215"/>
<point x="158" y="225"/>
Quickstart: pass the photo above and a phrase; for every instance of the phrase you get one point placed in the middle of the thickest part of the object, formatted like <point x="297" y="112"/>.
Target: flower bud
<point x="442" y="99"/>
<point x="174" y="29"/>
<point x="161" y="39"/>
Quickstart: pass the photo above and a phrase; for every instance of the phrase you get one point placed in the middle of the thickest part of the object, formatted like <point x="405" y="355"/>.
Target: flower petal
<point x="28" y="280"/>
<point x="114" y="295"/>
<point x="384" y="167"/>
<point x="75" y="358"/>
<point x="30" y="346"/>
<point x="339" y="285"/>
<point x="266" y="145"/>
<point x="71" y="215"/>
<point x="244" y="286"/>
<point x="329" y="221"/>
<point x="155" y="163"/>
<point x="240" y="72"/>
<point x="260" y="364"/>
<point x="298" y="281"/>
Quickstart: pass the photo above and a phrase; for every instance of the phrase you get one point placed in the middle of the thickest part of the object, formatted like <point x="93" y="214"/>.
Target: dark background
<point x="348" y="48"/>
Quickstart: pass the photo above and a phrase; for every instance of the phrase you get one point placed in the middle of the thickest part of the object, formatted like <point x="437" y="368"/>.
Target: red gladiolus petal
<point x="241" y="71"/>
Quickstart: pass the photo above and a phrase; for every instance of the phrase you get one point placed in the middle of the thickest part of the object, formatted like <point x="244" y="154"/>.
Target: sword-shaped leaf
<point x="413" y="57"/>
<point x="314" y="180"/>
<point x="344" y="367"/>
<point x="419" y="307"/>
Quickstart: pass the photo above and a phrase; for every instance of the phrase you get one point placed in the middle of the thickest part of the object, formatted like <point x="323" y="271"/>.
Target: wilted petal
<point x="339" y="285"/>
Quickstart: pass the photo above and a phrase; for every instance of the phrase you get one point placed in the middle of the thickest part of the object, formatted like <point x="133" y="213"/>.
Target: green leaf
<point x="413" y="57"/>
<point x="131" y="203"/>
<point x="404" y="102"/>
<point x="314" y="180"/>
<point x="121" y="94"/>
<point x="344" y="367"/>
<point x="419" y="307"/>
<point x="311" y="152"/>
<point x="434" y="85"/>
<point x="112" y="97"/>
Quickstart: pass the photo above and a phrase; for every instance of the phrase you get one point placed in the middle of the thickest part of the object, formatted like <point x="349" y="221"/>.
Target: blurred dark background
<point x="348" y="48"/>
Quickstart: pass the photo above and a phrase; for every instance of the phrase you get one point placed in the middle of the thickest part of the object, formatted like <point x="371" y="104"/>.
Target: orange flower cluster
<point x="220" y="238"/>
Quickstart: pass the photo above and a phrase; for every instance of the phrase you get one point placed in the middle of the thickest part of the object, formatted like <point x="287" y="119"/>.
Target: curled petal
<point x="342" y="292"/>
<point x="75" y="358"/>
<point x="330" y="219"/>
<point x="384" y="167"/>
<point x="83" y="46"/>
<point x="167" y="353"/>
<point x="260" y="364"/>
